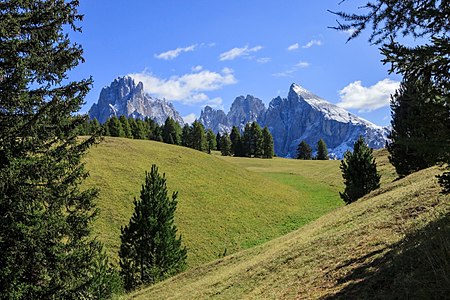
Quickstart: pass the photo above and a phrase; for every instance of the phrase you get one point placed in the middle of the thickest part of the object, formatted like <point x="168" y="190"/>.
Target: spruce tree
<point x="322" y="150"/>
<point x="304" y="151"/>
<point x="268" y="151"/>
<point x="171" y="132"/>
<point x="256" y="147"/>
<point x="94" y="126"/>
<point x="198" y="136"/>
<point x="236" y="143"/>
<point x="225" y="144"/>
<point x="247" y="140"/>
<point x="126" y="127"/>
<point x="210" y="140"/>
<point x="186" y="136"/>
<point x="46" y="251"/>
<point x="150" y="250"/>
<point x="115" y="127"/>
<point x="218" y="139"/>
<point x="359" y="171"/>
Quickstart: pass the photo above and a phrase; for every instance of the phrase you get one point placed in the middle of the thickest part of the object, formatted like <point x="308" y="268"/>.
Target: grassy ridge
<point x="393" y="243"/>
<point x="222" y="205"/>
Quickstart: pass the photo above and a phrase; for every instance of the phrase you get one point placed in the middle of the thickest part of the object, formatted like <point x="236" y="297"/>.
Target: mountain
<point x="124" y="97"/>
<point x="305" y="116"/>
<point x="242" y="111"/>
<point x="300" y="116"/>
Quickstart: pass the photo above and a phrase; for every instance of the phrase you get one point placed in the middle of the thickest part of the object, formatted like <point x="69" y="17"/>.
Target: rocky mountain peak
<point x="124" y="97"/>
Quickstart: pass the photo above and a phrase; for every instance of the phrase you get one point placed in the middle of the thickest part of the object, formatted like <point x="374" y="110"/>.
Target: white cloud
<point x="263" y="60"/>
<point x="190" y="118"/>
<point x="238" y="52"/>
<point x="188" y="88"/>
<point x="302" y="64"/>
<point x="227" y="70"/>
<point x="365" y="99"/>
<point x="171" y="54"/>
<point x="293" y="47"/>
<point x="216" y="103"/>
<point x="295" y="68"/>
<point x="312" y="43"/>
<point x="197" y="68"/>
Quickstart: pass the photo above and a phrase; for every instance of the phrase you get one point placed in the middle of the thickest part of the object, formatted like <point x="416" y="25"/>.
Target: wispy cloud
<point x="293" y="47"/>
<point x="366" y="99"/>
<point x="238" y="52"/>
<point x="263" y="60"/>
<point x="188" y="88"/>
<point x="197" y="68"/>
<point x="312" y="43"/>
<point x="171" y="54"/>
<point x="293" y="69"/>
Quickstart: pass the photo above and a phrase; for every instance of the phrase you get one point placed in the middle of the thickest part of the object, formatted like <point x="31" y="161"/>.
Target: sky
<point x="202" y="52"/>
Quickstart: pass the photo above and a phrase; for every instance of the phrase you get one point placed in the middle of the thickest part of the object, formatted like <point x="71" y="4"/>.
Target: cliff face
<point x="124" y="97"/>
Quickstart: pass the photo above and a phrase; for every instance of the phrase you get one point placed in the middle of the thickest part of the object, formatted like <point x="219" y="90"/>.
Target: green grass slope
<point x="222" y="205"/>
<point x="393" y="243"/>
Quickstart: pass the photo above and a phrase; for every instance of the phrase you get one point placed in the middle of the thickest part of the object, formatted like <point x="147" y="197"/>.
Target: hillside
<point x="222" y="206"/>
<point x="393" y="243"/>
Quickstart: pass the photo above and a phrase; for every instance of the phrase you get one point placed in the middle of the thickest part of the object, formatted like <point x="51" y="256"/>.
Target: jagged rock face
<point x="216" y="120"/>
<point x="124" y="97"/>
<point x="305" y="116"/>
<point x="246" y="110"/>
<point x="243" y="110"/>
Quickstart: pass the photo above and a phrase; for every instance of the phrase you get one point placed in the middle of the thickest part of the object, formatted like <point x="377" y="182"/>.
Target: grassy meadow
<point x="393" y="243"/>
<point x="225" y="204"/>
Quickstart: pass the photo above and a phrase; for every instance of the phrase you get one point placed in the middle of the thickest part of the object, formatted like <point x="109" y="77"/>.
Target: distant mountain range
<point x="300" y="116"/>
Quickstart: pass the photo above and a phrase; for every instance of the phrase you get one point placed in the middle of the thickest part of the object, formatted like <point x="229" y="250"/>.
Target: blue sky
<point x="203" y="52"/>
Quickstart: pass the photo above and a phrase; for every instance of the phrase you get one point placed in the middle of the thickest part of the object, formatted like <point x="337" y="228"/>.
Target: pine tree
<point x="95" y="126"/>
<point x="198" y="136"/>
<point x="186" y="136"/>
<point x="150" y="250"/>
<point x="359" y="171"/>
<point x="267" y="143"/>
<point x="304" y="151"/>
<point x="115" y="127"/>
<point x="256" y="147"/>
<point x="218" y="139"/>
<point x="322" y="150"/>
<point x="236" y="143"/>
<point x="46" y="251"/>
<point x="126" y="127"/>
<point x="225" y="144"/>
<point x="171" y="132"/>
<point x="247" y="140"/>
<point x="415" y="142"/>
<point x="210" y="140"/>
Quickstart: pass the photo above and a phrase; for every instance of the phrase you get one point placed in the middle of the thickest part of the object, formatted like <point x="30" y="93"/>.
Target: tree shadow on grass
<point x="418" y="267"/>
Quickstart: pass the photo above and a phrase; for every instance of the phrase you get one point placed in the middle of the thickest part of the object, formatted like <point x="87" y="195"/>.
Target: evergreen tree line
<point x="304" y="151"/>
<point x="254" y="142"/>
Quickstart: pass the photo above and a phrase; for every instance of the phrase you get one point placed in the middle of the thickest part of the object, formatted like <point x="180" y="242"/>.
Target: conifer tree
<point x="171" y="134"/>
<point x="322" y="150"/>
<point x="126" y="127"/>
<point x="225" y="144"/>
<point x="150" y="250"/>
<point x="304" y="151"/>
<point x="186" y="136"/>
<point x="236" y="143"/>
<point x="198" y="136"/>
<point x="268" y="151"/>
<point x="359" y="171"/>
<point x="115" y="127"/>
<point x="218" y="139"/>
<point x="46" y="251"/>
<point x="94" y="126"/>
<point x="247" y="140"/>
<point x="210" y="140"/>
<point x="256" y="147"/>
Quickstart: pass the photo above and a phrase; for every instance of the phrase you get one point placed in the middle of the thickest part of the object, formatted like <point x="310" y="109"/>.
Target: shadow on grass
<point x="418" y="267"/>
